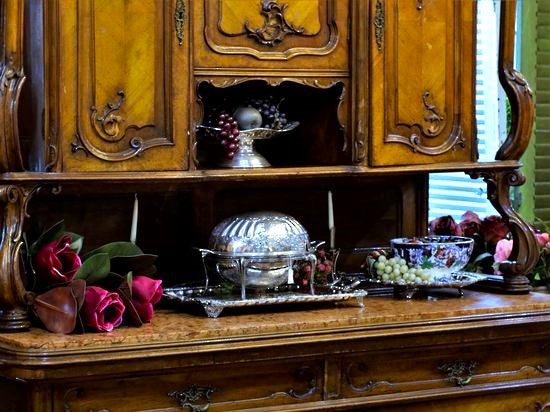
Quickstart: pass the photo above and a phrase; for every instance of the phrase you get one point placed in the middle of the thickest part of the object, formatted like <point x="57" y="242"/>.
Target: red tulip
<point x="102" y="310"/>
<point x="470" y="223"/>
<point x="55" y="262"/>
<point x="145" y="293"/>
<point x="493" y="229"/>
<point x="444" y="226"/>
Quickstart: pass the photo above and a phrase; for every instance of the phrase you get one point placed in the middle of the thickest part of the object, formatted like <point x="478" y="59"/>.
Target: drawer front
<point x="225" y="387"/>
<point x="279" y="34"/>
<point x="444" y="368"/>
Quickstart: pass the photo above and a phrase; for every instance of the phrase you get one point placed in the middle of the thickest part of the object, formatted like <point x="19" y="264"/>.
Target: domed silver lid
<point x="259" y="234"/>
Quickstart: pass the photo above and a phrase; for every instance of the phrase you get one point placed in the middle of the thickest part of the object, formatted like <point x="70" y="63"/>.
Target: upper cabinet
<point x="303" y="35"/>
<point x="117" y="84"/>
<point x="422" y="81"/>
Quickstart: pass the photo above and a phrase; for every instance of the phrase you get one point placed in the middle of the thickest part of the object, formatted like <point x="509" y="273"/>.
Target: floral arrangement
<point x="97" y="291"/>
<point x="493" y="243"/>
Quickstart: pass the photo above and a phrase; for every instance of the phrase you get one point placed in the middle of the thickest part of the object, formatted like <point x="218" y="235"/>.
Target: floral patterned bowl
<point x="439" y="256"/>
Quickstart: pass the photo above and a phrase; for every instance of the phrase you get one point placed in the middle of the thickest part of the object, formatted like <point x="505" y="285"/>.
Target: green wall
<point x="528" y="68"/>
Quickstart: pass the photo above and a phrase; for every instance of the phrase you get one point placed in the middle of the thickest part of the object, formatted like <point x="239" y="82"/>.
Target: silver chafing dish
<point x="257" y="250"/>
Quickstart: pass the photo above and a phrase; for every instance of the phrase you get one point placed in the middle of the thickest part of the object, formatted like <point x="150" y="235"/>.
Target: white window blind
<point x="454" y="193"/>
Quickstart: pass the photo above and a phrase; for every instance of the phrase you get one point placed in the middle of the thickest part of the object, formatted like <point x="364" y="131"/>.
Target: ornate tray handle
<point x="459" y="372"/>
<point x="188" y="396"/>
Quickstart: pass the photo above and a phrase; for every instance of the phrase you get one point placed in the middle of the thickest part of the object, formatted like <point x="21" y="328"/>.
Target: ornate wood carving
<point x="12" y="78"/>
<point x="379" y="22"/>
<point x="179" y="20"/>
<point x="525" y="252"/>
<point x="77" y="393"/>
<point x="107" y="123"/>
<point x="435" y="119"/>
<point x="541" y="406"/>
<point x="366" y="387"/>
<point x="13" y="311"/>
<point x="127" y="142"/>
<point x="516" y="87"/>
<point x="275" y="27"/>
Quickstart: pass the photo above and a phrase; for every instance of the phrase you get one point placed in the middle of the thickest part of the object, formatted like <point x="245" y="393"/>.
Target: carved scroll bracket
<point x="525" y="252"/>
<point x="13" y="311"/>
<point x="11" y="82"/>
<point x="435" y="119"/>
<point x="275" y="27"/>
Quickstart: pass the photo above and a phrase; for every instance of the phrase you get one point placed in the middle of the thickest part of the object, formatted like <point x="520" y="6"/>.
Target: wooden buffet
<point x="101" y="99"/>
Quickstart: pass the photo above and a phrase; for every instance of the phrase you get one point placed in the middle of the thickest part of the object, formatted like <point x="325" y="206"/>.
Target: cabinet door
<point x="121" y="80"/>
<point x="422" y="82"/>
<point x="273" y="35"/>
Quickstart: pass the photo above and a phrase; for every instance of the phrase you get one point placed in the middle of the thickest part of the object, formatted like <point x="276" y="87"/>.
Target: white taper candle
<point x="133" y="230"/>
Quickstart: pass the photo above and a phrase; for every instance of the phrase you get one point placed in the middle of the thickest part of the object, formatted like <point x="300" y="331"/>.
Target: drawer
<point x="224" y="387"/>
<point x="275" y="35"/>
<point x="440" y="368"/>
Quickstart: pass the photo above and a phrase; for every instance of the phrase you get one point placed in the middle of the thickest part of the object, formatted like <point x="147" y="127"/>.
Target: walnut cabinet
<point x="101" y="99"/>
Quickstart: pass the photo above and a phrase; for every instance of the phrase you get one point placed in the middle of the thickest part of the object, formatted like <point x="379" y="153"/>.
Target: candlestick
<point x="133" y="230"/>
<point x="331" y="220"/>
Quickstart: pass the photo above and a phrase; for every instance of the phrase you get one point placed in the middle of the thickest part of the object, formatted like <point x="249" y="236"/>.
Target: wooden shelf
<point x="239" y="175"/>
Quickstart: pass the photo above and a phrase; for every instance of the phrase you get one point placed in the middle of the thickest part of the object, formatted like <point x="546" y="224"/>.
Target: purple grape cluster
<point x="228" y="135"/>
<point x="272" y="117"/>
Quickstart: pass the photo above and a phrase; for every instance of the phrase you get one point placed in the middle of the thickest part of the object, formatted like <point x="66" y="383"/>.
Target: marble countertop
<point x="173" y="327"/>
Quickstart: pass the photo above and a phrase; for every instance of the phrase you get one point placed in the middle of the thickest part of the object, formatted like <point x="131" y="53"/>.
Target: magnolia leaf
<point x="53" y="233"/>
<point x="116" y="249"/>
<point x="94" y="269"/>
<point x="140" y="264"/>
<point x="57" y="309"/>
<point x="78" y="289"/>
<point x="130" y="314"/>
<point x="129" y="280"/>
<point x="76" y="242"/>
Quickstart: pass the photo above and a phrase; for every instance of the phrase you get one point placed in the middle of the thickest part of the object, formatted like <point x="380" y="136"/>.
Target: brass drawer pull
<point x="188" y="396"/>
<point x="459" y="372"/>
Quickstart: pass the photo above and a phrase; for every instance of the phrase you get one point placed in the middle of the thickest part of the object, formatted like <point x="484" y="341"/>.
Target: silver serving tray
<point x="458" y="280"/>
<point x="213" y="301"/>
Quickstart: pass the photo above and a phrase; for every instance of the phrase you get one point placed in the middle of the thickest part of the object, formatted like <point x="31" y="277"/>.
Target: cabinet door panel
<point x="278" y="34"/>
<point x="130" y="79"/>
<point x="422" y="71"/>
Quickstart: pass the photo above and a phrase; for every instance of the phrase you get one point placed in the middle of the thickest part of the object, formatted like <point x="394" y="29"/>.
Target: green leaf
<point x="129" y="280"/>
<point x="53" y="233"/>
<point x="95" y="268"/>
<point x="426" y="264"/>
<point x="76" y="241"/>
<point x="116" y="249"/>
<point x="139" y="264"/>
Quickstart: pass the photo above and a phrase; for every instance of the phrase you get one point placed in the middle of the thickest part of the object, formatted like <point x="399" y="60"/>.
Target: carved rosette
<point x="525" y="253"/>
<point x="13" y="311"/>
<point x="275" y="27"/>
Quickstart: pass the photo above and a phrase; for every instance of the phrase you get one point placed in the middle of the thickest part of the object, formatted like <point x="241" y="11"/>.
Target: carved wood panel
<point x="128" y="60"/>
<point x="423" y="72"/>
<point x="270" y="31"/>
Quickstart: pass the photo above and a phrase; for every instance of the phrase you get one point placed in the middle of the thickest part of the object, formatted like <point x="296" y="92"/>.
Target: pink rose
<point x="145" y="293"/>
<point x="503" y="250"/>
<point x="493" y="229"/>
<point x="542" y="239"/>
<point x="102" y="310"/>
<point x="470" y="224"/>
<point x="55" y="262"/>
<point x="444" y="226"/>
